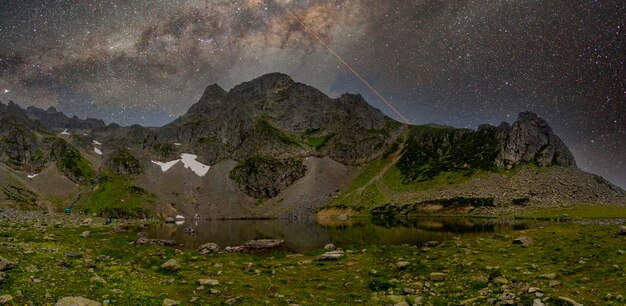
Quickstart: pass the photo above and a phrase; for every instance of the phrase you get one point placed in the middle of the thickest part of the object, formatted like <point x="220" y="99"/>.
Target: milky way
<point x="459" y="63"/>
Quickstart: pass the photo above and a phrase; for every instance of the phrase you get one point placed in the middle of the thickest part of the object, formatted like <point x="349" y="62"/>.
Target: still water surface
<point x="302" y="236"/>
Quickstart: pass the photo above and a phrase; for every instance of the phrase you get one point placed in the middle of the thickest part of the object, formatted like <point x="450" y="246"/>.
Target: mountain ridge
<point x="274" y="147"/>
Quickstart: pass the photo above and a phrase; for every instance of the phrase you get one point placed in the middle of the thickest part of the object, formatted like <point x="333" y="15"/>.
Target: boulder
<point x="523" y="240"/>
<point x="330" y="247"/>
<point x="209" y="248"/>
<point x="261" y="244"/>
<point x="622" y="230"/>
<point x="171" y="265"/>
<point x="330" y="256"/>
<point x="76" y="301"/>
<point x="169" y="220"/>
<point x="437" y="277"/>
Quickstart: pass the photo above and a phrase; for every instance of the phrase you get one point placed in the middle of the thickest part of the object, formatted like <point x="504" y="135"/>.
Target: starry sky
<point x="459" y="63"/>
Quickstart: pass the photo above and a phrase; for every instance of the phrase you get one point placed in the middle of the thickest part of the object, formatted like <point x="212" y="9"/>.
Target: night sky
<point x="459" y="63"/>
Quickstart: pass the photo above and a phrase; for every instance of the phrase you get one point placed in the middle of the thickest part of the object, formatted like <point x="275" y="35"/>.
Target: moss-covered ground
<point x="53" y="260"/>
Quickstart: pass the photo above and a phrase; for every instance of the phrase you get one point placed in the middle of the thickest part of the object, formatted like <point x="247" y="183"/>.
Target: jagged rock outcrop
<point x="531" y="139"/>
<point x="273" y="115"/>
<point x="263" y="177"/>
<point x="55" y="120"/>
<point x="122" y="161"/>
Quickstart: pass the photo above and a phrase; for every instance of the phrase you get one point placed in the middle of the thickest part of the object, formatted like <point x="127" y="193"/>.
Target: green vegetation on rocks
<point x="70" y="162"/>
<point x="432" y="150"/>
<point x="116" y="195"/>
<point x="122" y="161"/>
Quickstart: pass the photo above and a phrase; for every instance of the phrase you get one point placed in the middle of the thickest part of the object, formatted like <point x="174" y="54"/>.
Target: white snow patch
<point x="189" y="160"/>
<point x="98" y="151"/>
<point x="65" y="132"/>
<point x="30" y="176"/>
<point x="167" y="165"/>
<point x="178" y="144"/>
<point x="96" y="143"/>
<point x="180" y="217"/>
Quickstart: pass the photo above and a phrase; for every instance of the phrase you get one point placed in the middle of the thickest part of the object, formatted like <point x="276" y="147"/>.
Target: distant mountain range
<point x="273" y="147"/>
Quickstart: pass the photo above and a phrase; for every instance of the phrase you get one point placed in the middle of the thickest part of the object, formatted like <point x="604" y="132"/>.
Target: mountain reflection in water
<point x="306" y="235"/>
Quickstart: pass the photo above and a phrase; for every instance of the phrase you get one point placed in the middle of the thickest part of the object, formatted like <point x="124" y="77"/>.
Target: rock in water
<point x="169" y="220"/>
<point x="262" y="244"/>
<point x="76" y="301"/>
<point x="209" y="248"/>
<point x="162" y="242"/>
<point x="6" y="265"/>
<point x="171" y="265"/>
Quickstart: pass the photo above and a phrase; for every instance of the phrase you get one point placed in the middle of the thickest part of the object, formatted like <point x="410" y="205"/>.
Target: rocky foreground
<point x="60" y="260"/>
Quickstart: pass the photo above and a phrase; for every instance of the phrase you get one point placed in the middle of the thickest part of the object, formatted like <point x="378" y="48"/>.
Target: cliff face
<point x="531" y="139"/>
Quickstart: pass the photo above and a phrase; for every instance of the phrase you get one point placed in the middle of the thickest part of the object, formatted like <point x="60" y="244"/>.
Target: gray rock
<point x="330" y="247"/>
<point x="533" y="289"/>
<point x="622" y="230"/>
<point x="232" y="301"/>
<point x="537" y="302"/>
<point x="6" y="265"/>
<point x="262" y="244"/>
<point x="161" y="242"/>
<point x="568" y="301"/>
<point x="85" y="234"/>
<point x="171" y="265"/>
<point x="523" y="240"/>
<point x="170" y="302"/>
<point x="209" y="248"/>
<point x="330" y="256"/>
<point x="76" y="301"/>
<point x="73" y="254"/>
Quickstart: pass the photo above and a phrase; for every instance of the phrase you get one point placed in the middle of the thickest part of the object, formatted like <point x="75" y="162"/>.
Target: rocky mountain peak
<point x="531" y="139"/>
<point x="268" y="83"/>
